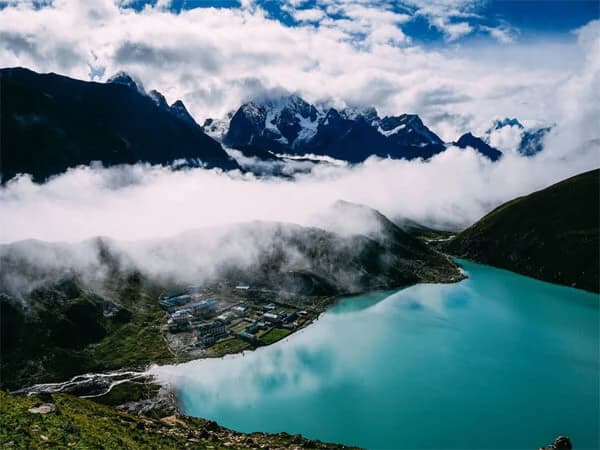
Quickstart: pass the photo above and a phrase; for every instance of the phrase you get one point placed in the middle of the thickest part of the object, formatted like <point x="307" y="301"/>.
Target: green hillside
<point x="552" y="234"/>
<point x="64" y="421"/>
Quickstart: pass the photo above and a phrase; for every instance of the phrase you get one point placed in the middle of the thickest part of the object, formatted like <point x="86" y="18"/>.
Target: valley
<point x="117" y="312"/>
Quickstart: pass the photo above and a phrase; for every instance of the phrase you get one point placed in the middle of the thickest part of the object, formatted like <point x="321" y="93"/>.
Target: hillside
<point x="51" y="122"/>
<point x="64" y="421"/>
<point x="552" y="234"/>
<point x="68" y="309"/>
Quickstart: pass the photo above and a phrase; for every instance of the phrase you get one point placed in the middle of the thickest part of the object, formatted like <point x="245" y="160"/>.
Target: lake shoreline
<point x="224" y="384"/>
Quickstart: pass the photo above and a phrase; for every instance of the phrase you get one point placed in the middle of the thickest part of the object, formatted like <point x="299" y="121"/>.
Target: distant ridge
<point x="290" y="125"/>
<point x="468" y="140"/>
<point x="51" y="122"/>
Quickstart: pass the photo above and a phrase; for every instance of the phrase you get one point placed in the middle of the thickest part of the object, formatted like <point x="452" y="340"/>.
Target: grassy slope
<point x="81" y="423"/>
<point x="552" y="234"/>
<point x="67" y="333"/>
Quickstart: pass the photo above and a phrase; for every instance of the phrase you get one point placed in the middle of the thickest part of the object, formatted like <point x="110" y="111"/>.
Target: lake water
<point x="496" y="361"/>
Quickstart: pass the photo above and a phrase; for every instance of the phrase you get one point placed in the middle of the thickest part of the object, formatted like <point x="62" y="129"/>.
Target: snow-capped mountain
<point x="216" y="128"/>
<point x="286" y="121"/>
<point x="291" y="125"/>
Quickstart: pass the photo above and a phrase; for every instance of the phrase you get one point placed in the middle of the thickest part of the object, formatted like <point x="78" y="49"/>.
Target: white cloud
<point x="502" y="33"/>
<point x="506" y="139"/>
<point x="308" y="15"/>
<point x="454" y="30"/>
<point x="215" y="58"/>
<point x="454" y="189"/>
<point x="447" y="15"/>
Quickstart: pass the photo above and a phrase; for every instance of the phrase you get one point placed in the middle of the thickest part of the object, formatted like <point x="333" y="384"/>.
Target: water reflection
<point x="432" y="366"/>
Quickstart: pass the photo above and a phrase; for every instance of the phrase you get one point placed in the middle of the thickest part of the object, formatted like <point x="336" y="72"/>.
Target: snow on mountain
<point x="368" y="114"/>
<point x="285" y="121"/>
<point x="216" y="128"/>
<point x="127" y="80"/>
<point x="409" y="130"/>
<point x="290" y="125"/>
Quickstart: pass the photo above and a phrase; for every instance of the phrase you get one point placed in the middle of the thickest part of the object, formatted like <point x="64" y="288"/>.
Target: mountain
<point x="124" y="79"/>
<point x="177" y="109"/>
<point x="51" y="122"/>
<point x="72" y="308"/>
<point x="217" y="128"/>
<point x="468" y="140"/>
<point x="552" y="234"/>
<point x="290" y="125"/>
<point x="506" y="122"/>
<point x="526" y="140"/>
<point x="532" y="141"/>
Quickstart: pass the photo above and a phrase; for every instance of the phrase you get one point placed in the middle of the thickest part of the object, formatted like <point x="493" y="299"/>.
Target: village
<point x="218" y="320"/>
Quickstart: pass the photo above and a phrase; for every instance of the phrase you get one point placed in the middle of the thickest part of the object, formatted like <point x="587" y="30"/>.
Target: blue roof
<point x="175" y="300"/>
<point x="203" y="304"/>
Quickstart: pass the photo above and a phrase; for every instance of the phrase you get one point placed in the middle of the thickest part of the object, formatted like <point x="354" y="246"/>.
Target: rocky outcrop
<point x="560" y="443"/>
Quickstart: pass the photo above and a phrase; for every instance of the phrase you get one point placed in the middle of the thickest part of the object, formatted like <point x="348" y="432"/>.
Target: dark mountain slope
<point x="468" y="140"/>
<point x="291" y="125"/>
<point x="552" y="234"/>
<point x="50" y="123"/>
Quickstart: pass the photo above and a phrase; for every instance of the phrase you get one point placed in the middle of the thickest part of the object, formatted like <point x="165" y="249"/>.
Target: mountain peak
<point x="179" y="109"/>
<point x="408" y="129"/>
<point x="289" y="124"/>
<point x="125" y="79"/>
<point x="158" y="98"/>
<point x="469" y="140"/>
<point x="368" y="113"/>
<point x="506" y="122"/>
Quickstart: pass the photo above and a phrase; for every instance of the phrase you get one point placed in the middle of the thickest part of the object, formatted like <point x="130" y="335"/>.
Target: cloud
<point x="216" y="58"/>
<point x="168" y="58"/>
<point x="502" y="33"/>
<point x="447" y="15"/>
<point x="142" y="201"/>
<point x="308" y="15"/>
<point x="213" y="59"/>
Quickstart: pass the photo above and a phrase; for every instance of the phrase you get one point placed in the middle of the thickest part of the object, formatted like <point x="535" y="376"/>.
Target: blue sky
<point x="521" y="19"/>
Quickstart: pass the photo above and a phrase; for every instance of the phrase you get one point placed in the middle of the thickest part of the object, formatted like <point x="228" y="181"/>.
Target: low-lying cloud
<point x="137" y="202"/>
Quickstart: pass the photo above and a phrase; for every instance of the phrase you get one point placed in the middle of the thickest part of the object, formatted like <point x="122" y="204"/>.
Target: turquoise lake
<point x="496" y="361"/>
